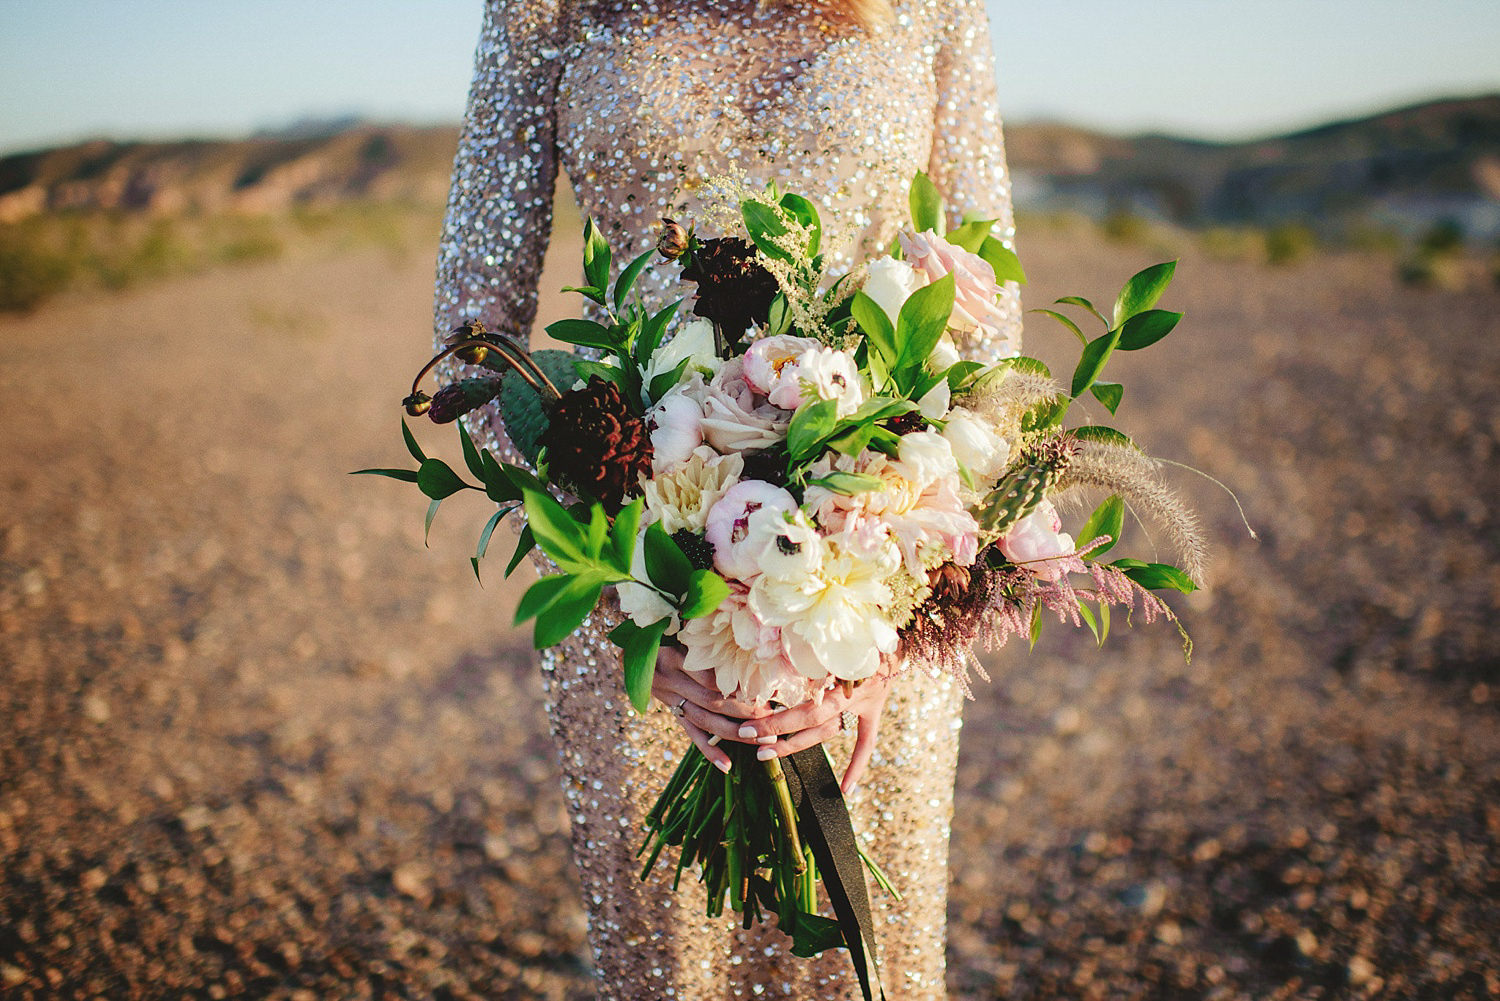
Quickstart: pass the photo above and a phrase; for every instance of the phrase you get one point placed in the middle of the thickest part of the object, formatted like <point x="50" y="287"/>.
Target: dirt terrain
<point x="256" y="741"/>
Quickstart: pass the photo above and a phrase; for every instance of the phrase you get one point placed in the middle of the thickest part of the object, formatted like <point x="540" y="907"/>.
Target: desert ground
<point x="257" y="741"/>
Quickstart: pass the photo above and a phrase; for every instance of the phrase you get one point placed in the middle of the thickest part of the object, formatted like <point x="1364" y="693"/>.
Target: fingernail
<point x="747" y="731"/>
<point x="712" y="741"/>
<point x="722" y="764"/>
<point x="765" y="754"/>
<point x="769" y="738"/>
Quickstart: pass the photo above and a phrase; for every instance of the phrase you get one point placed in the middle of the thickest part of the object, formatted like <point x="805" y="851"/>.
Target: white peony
<point x="676" y="423"/>
<point x="766" y="362"/>
<point x="681" y="498"/>
<point x="831" y="621"/>
<point x="743" y="653"/>
<point x="891" y="283"/>
<point x="742" y="522"/>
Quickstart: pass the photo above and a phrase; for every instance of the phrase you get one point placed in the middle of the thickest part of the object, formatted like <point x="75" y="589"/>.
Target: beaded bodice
<point x="643" y="104"/>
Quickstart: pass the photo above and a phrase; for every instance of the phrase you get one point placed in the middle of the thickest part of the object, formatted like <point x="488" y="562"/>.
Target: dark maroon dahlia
<point x="595" y="446"/>
<point x="734" y="289"/>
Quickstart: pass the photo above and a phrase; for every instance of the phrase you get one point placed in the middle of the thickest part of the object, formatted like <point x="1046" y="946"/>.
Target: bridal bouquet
<point x="803" y="484"/>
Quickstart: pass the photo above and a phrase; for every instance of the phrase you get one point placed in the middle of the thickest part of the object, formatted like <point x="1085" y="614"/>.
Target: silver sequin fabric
<point x="643" y="104"/>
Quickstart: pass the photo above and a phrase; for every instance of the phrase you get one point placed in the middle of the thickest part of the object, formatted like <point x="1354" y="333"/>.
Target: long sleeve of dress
<point x="499" y="213"/>
<point x="968" y="146"/>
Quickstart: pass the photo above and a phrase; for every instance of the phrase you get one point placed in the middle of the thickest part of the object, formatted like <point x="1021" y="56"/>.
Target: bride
<point x="643" y="104"/>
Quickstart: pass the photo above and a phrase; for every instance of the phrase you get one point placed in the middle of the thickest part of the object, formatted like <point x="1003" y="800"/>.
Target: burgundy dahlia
<point x="734" y="290"/>
<point x="595" y="446"/>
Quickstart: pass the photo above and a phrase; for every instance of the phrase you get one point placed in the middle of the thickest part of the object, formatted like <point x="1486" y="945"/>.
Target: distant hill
<point x="1403" y="169"/>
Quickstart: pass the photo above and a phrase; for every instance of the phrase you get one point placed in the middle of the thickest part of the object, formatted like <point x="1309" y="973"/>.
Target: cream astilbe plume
<point x="1135" y="476"/>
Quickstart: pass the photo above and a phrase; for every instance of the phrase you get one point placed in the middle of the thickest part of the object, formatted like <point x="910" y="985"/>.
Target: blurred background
<point x="257" y="741"/>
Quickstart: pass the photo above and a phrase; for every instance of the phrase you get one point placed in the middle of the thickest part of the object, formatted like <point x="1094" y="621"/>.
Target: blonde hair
<point x="869" y="14"/>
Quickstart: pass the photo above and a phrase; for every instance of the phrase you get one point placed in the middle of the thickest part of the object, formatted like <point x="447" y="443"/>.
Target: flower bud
<point x="674" y="240"/>
<point x="458" y="398"/>
<point x="417" y="403"/>
<point x="473" y="354"/>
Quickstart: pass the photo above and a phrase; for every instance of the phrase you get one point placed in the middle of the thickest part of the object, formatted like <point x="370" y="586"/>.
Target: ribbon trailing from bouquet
<point x="824" y="822"/>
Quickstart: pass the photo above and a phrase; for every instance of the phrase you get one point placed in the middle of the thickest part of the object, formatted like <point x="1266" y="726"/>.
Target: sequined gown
<point x="642" y="103"/>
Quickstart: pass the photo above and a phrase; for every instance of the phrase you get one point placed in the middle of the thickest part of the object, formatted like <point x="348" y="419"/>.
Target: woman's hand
<point x="706" y="715"/>
<point x="800" y="727"/>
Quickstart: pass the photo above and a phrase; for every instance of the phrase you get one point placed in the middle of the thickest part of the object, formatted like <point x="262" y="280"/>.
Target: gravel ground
<point x="258" y="742"/>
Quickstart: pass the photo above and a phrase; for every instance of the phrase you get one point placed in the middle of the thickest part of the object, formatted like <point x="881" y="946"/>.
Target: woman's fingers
<point x="713" y="753"/>
<point x="864" y="747"/>
<point x="800" y="741"/>
<point x="802" y="717"/>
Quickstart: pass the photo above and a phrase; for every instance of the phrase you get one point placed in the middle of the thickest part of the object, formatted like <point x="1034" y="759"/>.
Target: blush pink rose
<point x="1039" y="544"/>
<point x="975" y="310"/>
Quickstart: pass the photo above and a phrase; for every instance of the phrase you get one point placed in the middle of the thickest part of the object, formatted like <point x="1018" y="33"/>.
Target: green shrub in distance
<point x="1289" y="242"/>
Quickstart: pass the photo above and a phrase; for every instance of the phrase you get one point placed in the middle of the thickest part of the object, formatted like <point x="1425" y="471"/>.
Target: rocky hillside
<point x="1404" y="170"/>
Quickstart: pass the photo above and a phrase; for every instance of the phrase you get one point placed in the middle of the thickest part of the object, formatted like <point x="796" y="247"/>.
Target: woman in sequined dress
<point x="641" y="103"/>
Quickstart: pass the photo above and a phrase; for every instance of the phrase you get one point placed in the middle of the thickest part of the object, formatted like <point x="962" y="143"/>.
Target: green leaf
<point x="471" y="454"/>
<point x="812" y="423"/>
<point x="623" y="534"/>
<point x="484" y="539"/>
<point x="639" y="646"/>
<point x="1108" y="393"/>
<point x="559" y="535"/>
<point x="1004" y="260"/>
<point x="497" y="485"/>
<point x="879" y="333"/>
<point x="437" y="480"/>
<point x="588" y="368"/>
<point x="596" y="256"/>
<point x="598" y="532"/>
<point x="627" y="278"/>
<point x="1078" y="300"/>
<point x="1095" y="355"/>
<point x="404" y="475"/>
<point x="666" y="564"/>
<point x="970" y="236"/>
<point x="1103" y="435"/>
<point x="1103" y="622"/>
<point x="1157" y="576"/>
<point x="583" y="332"/>
<point x="1108" y="519"/>
<point x="963" y="372"/>
<point x="557" y="622"/>
<point x="663" y="383"/>
<point x="1036" y="624"/>
<point x="524" y="544"/>
<point x="1030" y="366"/>
<point x="1143" y="290"/>
<point x="596" y="294"/>
<point x="1146" y="328"/>
<point x="926" y="205"/>
<point x="1087" y="614"/>
<point x="853" y="441"/>
<point x="923" y="318"/>
<point x="706" y="590"/>
<point x="540" y="596"/>
<point x="653" y="330"/>
<point x="806" y="214"/>
<point x="432" y="510"/>
<point x="411" y="444"/>
<point x="848" y="483"/>
<point x="764" y="224"/>
<point x="1047" y="414"/>
<point x="1065" y="321"/>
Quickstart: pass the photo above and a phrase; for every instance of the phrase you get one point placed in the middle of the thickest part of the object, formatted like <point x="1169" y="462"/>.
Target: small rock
<point x="1169" y="933"/>
<point x="1360" y="970"/>
<point x="413" y="879"/>
<point x="96" y="709"/>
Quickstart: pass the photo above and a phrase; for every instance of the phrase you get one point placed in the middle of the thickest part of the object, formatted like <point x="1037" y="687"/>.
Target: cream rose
<point x="891" y="283"/>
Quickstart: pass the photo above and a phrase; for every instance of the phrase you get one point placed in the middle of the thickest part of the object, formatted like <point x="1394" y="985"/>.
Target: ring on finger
<point x="680" y="709"/>
<point x="847" y="721"/>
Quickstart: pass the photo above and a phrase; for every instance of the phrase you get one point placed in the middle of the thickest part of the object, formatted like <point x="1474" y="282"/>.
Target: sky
<point x="1215" y="69"/>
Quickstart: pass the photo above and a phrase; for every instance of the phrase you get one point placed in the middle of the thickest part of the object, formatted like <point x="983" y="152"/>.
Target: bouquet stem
<point x="783" y="799"/>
